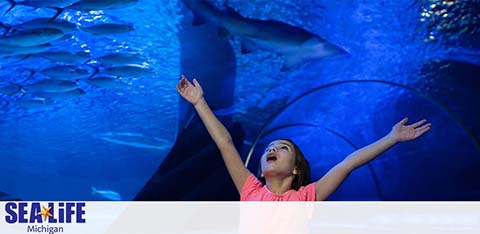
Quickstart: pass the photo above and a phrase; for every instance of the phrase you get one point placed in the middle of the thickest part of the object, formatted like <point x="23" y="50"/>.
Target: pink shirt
<point x="254" y="190"/>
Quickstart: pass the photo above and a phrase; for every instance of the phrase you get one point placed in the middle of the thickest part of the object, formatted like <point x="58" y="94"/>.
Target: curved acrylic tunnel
<point x="331" y="121"/>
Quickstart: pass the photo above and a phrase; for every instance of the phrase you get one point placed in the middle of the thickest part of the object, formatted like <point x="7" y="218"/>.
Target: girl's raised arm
<point x="400" y="132"/>
<point x="193" y="93"/>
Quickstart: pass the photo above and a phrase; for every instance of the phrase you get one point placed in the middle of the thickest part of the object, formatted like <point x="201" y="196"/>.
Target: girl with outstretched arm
<point x="285" y="169"/>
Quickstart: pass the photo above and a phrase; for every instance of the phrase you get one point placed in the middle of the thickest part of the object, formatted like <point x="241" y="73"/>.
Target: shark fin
<point x="198" y="20"/>
<point x="247" y="46"/>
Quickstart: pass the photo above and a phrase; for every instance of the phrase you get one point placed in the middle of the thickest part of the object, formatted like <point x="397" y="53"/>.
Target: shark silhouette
<point x="296" y="45"/>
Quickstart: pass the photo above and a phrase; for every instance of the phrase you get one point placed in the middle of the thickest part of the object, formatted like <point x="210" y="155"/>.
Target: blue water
<point x="53" y="152"/>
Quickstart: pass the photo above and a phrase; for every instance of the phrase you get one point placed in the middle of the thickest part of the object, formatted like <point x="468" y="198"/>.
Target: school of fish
<point x="67" y="71"/>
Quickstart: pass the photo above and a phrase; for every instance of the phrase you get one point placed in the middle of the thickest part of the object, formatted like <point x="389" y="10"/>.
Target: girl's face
<point x="278" y="159"/>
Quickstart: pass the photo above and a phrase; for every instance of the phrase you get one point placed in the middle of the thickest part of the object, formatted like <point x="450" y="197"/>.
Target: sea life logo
<point x="40" y="217"/>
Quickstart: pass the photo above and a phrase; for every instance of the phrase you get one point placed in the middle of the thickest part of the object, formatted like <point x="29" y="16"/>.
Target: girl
<point x="285" y="169"/>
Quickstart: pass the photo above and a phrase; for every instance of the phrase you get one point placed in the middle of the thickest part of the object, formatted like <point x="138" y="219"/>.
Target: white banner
<point x="239" y="217"/>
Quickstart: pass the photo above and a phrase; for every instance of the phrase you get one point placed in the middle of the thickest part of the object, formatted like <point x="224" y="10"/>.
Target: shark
<point x="295" y="44"/>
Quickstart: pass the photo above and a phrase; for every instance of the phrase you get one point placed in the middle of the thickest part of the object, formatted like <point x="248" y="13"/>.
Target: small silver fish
<point x="65" y="56"/>
<point x="75" y="93"/>
<point x="108" y="82"/>
<point x="129" y="70"/>
<point x="92" y="5"/>
<point x="50" y="86"/>
<point x="33" y="103"/>
<point x="62" y="25"/>
<point x="40" y="3"/>
<point x="122" y="58"/>
<point x="11" y="50"/>
<point x="133" y="139"/>
<point x="33" y="37"/>
<point x="107" y="194"/>
<point x="108" y="29"/>
<point x="68" y="72"/>
<point x="9" y="89"/>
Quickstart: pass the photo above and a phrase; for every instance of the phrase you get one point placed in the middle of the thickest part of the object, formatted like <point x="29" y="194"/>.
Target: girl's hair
<point x="302" y="178"/>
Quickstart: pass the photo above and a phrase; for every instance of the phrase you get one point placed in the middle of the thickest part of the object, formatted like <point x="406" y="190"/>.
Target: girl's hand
<point x="401" y="132"/>
<point x="193" y="93"/>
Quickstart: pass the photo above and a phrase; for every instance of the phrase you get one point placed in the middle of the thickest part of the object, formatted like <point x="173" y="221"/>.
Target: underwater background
<point x="105" y="132"/>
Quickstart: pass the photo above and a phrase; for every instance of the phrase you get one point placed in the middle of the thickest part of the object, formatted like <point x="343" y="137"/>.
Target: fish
<point x="108" y="29"/>
<point x="62" y="25"/>
<point x="75" y="93"/>
<point x="50" y="86"/>
<point x="33" y="103"/>
<point x="137" y="140"/>
<point x="40" y="3"/>
<point x="68" y="72"/>
<point x="65" y="56"/>
<point x="129" y="70"/>
<point x="95" y="5"/>
<point x="121" y="58"/>
<point x="9" y="89"/>
<point x="107" y="194"/>
<point x="33" y="37"/>
<point x="295" y="44"/>
<point x="11" y="50"/>
<point x="109" y="82"/>
<point x="92" y="5"/>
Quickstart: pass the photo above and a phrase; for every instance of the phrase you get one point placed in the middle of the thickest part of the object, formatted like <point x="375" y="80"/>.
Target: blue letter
<point x="69" y="212"/>
<point x="51" y="219"/>
<point x="9" y="208"/>
<point x="80" y="212"/>
<point x="22" y="212"/>
<point x="34" y="216"/>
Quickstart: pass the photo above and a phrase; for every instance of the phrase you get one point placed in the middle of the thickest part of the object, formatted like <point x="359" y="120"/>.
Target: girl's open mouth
<point x="271" y="158"/>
